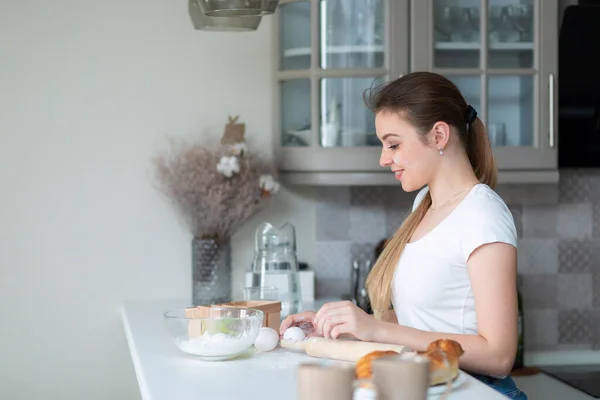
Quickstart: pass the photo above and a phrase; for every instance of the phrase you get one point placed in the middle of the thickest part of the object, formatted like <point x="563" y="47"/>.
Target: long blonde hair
<point x="424" y="98"/>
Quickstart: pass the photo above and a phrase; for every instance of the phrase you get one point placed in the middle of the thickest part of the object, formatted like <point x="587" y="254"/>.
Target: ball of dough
<point x="294" y="334"/>
<point x="267" y="339"/>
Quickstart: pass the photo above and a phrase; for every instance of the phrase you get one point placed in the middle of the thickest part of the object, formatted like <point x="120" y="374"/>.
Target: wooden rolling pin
<point x="340" y="349"/>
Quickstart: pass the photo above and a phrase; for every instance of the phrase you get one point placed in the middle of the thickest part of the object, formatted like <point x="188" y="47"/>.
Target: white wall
<point x="88" y="91"/>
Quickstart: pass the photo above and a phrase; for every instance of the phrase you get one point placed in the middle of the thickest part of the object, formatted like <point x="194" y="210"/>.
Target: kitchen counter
<point x="165" y="373"/>
<point x="544" y="387"/>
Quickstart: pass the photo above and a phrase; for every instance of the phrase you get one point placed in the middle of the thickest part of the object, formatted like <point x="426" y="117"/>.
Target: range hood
<point x="238" y="8"/>
<point x="201" y="21"/>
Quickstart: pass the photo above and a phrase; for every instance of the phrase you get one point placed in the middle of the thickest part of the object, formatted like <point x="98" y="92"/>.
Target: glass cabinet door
<point x="501" y="62"/>
<point x="510" y="27"/>
<point x="511" y="73"/>
<point x="345" y="120"/>
<point x="294" y="41"/>
<point x="351" y="38"/>
<point x="507" y="73"/>
<point x="470" y="87"/>
<point x="295" y="112"/>
<point x="510" y="111"/>
<point x="330" y="52"/>
<point x="294" y="36"/>
<point x="457" y="39"/>
<point x="351" y="34"/>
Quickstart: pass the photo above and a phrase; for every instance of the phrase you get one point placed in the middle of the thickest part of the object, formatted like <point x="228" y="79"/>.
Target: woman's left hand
<point x="345" y="318"/>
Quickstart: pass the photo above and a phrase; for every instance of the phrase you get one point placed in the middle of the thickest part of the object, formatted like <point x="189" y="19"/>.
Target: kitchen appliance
<point x="579" y="87"/>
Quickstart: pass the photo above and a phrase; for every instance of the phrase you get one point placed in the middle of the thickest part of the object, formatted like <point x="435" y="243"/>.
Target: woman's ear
<point x="441" y="135"/>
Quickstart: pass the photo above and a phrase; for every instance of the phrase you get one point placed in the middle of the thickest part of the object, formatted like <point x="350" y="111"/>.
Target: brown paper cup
<point x="320" y="382"/>
<point x="401" y="379"/>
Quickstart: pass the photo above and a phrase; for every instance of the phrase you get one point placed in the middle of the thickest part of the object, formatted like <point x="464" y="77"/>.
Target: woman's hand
<point x="303" y="320"/>
<point x="345" y="318"/>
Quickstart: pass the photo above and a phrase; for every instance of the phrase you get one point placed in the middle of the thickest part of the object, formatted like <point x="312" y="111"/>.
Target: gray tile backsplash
<point x="575" y="327"/>
<point x="575" y="256"/>
<point x="574" y="291"/>
<point x="559" y="249"/>
<point x="574" y="220"/>
<point x="542" y="328"/>
<point x="540" y="291"/>
<point x="539" y="221"/>
<point x="596" y="218"/>
<point x="579" y="186"/>
<point x="596" y="292"/>
<point x="333" y="206"/>
<point x="538" y="256"/>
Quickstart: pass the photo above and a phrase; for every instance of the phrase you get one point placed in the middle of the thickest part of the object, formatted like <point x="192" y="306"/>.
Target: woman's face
<point x="411" y="160"/>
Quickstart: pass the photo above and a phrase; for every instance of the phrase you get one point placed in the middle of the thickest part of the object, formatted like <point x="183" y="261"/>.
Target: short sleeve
<point x="419" y="198"/>
<point x="489" y="221"/>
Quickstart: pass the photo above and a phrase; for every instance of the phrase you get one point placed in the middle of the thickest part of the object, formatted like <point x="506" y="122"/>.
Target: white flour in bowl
<point x="218" y="344"/>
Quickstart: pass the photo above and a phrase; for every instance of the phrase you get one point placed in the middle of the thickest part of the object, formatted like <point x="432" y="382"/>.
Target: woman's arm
<point x="492" y="270"/>
<point x="390" y="316"/>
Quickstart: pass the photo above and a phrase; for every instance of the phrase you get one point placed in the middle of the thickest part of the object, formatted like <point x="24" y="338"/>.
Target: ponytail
<point x="379" y="281"/>
<point x="480" y="154"/>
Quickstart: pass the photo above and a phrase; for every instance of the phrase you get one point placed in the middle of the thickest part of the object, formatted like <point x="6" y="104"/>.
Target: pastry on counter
<point x="363" y="366"/>
<point x="443" y="354"/>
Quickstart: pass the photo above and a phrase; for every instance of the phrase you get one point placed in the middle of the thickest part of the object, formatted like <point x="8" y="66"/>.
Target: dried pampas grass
<point x="215" y="188"/>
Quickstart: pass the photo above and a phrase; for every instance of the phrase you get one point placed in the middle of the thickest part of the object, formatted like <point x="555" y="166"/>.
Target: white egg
<point x="294" y="334"/>
<point x="267" y="339"/>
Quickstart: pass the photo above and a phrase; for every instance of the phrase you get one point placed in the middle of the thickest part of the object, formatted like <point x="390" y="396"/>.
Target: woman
<point x="450" y="269"/>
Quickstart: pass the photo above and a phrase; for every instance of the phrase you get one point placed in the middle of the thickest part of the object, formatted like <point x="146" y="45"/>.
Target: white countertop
<point x="166" y="373"/>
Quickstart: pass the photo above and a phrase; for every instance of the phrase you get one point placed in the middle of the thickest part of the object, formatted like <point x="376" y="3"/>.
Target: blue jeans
<point x="506" y="386"/>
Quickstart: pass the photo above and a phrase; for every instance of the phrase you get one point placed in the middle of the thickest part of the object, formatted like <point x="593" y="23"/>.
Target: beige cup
<point x="324" y="382"/>
<point x="400" y="378"/>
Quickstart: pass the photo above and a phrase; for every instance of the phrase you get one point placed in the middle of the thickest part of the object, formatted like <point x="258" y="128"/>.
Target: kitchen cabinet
<point x="508" y="74"/>
<point x="328" y="52"/>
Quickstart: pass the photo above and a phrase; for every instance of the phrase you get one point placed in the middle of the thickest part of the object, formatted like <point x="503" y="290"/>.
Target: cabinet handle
<point x="551" y="110"/>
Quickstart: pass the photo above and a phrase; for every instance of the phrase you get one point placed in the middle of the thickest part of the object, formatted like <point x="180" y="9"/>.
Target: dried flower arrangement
<point x="217" y="188"/>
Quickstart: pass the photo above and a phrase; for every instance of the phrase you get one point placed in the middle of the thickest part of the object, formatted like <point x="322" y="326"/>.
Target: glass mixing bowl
<point x="214" y="333"/>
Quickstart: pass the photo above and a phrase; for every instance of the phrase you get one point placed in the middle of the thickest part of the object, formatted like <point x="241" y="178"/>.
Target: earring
<point x="441" y="152"/>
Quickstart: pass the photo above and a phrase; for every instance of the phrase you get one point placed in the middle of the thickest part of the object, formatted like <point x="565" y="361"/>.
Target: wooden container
<point x="272" y="310"/>
<point x="195" y="326"/>
<point x="272" y="317"/>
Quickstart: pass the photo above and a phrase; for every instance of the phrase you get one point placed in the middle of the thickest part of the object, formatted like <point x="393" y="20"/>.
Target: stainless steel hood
<point x="238" y="8"/>
<point x="201" y="21"/>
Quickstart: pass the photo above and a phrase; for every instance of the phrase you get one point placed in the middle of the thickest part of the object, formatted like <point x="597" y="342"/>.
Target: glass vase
<point x="211" y="266"/>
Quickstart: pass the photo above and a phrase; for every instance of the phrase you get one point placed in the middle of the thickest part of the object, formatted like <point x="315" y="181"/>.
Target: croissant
<point x="443" y="357"/>
<point x="363" y="365"/>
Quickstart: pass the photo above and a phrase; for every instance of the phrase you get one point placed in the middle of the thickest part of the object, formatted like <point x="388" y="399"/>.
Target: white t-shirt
<point x="431" y="287"/>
